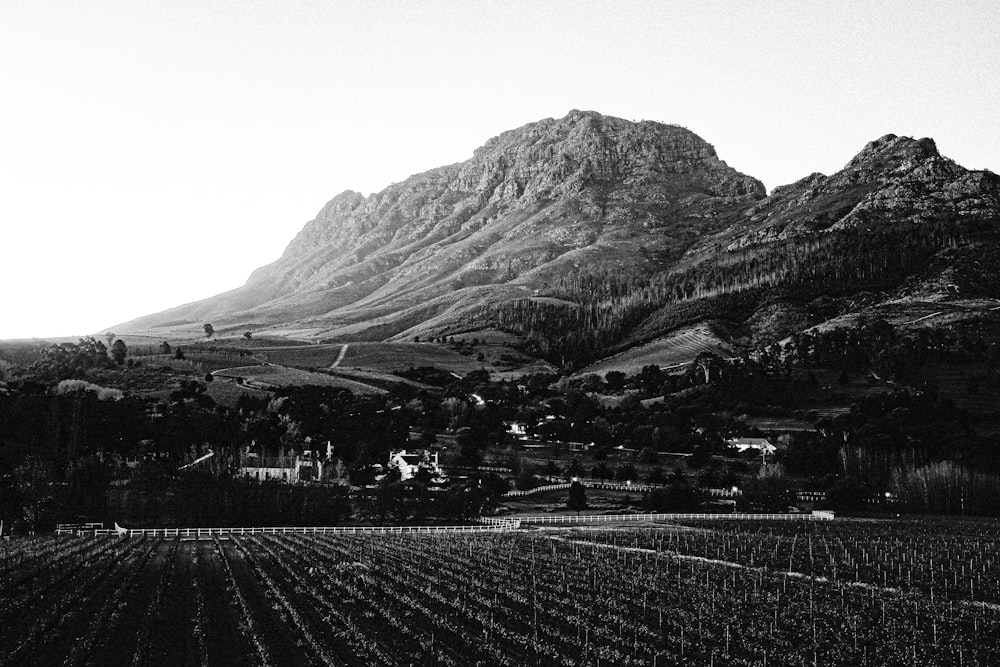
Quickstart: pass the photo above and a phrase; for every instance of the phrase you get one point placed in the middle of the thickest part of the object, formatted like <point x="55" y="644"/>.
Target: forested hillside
<point x="596" y="311"/>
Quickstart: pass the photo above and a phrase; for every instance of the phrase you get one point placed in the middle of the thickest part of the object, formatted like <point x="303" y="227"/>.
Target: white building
<point x="303" y="467"/>
<point x="518" y="429"/>
<point x="409" y="463"/>
<point x="758" y="444"/>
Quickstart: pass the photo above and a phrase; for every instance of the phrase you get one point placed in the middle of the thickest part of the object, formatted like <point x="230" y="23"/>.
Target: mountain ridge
<point x="582" y="193"/>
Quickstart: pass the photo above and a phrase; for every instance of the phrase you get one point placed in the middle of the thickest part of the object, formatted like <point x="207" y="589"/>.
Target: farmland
<point x="389" y="357"/>
<point x="691" y="595"/>
<point x="678" y="348"/>
<point x="282" y="376"/>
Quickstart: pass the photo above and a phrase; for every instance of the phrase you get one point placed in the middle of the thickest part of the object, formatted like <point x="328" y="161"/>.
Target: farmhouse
<point x="291" y="469"/>
<point x="759" y="444"/>
<point x="410" y="463"/>
<point x="518" y="429"/>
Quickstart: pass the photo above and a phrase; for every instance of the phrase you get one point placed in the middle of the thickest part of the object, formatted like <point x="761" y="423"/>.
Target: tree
<point x="110" y="337"/>
<point x="468" y="446"/>
<point x="615" y="380"/>
<point x="164" y="347"/>
<point x="648" y="455"/>
<point x="626" y="472"/>
<point x="70" y="360"/>
<point x="656" y="476"/>
<point x="248" y="335"/>
<point x="577" y="498"/>
<point x="179" y="353"/>
<point x="601" y="471"/>
<point x="118" y="352"/>
<point x="769" y="490"/>
<point x="706" y="366"/>
<point x="678" y="496"/>
<point x="849" y="495"/>
<point x="574" y="468"/>
<point x="209" y="329"/>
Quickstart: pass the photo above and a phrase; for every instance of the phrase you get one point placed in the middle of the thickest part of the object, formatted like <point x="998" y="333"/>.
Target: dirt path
<point x="340" y="357"/>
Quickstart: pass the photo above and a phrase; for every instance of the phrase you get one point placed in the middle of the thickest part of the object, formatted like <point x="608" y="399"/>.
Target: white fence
<point x="537" y="489"/>
<point x="617" y="518"/>
<point x="488" y="525"/>
<point x="611" y="486"/>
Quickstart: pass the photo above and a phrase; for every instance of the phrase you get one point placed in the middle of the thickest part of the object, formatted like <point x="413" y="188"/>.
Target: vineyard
<point x="680" y="347"/>
<point x="761" y="593"/>
<point x="391" y="357"/>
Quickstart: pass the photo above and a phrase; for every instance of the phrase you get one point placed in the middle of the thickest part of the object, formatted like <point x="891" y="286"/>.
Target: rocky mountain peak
<point x="893" y="179"/>
<point x="559" y="157"/>
<point x="892" y="154"/>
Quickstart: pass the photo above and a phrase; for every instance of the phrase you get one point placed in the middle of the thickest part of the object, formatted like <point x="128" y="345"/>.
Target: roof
<point x="751" y="442"/>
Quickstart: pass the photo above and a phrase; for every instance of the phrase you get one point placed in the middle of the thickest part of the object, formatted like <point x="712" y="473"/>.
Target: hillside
<point x="590" y="235"/>
<point x="582" y="190"/>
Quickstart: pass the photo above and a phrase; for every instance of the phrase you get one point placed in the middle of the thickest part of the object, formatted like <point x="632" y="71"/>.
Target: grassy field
<point x="303" y="356"/>
<point x="389" y="357"/>
<point x="280" y="376"/>
<point x="223" y="391"/>
<point x="242" y="343"/>
<point x="228" y="393"/>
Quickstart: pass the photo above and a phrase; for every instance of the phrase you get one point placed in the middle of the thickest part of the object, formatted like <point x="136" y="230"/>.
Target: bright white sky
<point x="154" y="153"/>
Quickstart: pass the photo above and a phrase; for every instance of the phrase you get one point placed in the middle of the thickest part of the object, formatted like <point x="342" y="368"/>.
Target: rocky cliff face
<point x="584" y="189"/>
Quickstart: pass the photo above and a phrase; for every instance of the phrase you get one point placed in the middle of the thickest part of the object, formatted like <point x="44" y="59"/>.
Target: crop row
<point x="625" y="597"/>
<point x="955" y="560"/>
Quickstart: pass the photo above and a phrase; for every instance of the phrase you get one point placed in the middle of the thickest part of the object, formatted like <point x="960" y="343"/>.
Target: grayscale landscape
<point x="591" y="396"/>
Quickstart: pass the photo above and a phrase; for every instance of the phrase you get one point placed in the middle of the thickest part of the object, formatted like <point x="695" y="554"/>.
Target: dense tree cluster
<point x="586" y="313"/>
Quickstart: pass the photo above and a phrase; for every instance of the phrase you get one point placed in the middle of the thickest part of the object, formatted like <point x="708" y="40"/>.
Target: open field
<point x="390" y="357"/>
<point x="280" y="376"/>
<point x="306" y="356"/>
<point x="678" y="348"/>
<point x="757" y="593"/>
<point x="228" y="393"/>
<point x="252" y="343"/>
<point x="384" y="358"/>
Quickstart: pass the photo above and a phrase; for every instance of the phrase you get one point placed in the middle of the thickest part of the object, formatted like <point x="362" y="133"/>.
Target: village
<point x="551" y="465"/>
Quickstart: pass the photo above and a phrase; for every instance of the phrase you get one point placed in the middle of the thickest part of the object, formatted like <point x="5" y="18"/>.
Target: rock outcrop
<point x="892" y="180"/>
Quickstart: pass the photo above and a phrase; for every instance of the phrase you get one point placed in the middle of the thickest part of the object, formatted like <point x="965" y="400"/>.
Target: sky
<point x="153" y="153"/>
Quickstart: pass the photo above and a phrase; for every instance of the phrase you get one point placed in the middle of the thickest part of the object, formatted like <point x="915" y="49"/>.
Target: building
<point x="290" y="469"/>
<point x="410" y="463"/>
<point x="518" y="429"/>
<point x="762" y="445"/>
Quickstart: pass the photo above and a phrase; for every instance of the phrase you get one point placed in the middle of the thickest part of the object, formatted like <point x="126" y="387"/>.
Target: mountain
<point x="584" y="189"/>
<point x="590" y="234"/>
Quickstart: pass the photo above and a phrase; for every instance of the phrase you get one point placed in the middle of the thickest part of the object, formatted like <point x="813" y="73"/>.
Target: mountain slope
<point x="589" y="234"/>
<point x="582" y="189"/>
